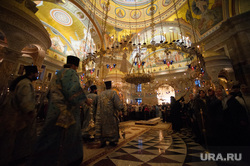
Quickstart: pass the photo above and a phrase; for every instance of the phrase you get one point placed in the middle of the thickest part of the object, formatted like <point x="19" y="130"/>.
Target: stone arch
<point x="164" y="91"/>
<point x="224" y="79"/>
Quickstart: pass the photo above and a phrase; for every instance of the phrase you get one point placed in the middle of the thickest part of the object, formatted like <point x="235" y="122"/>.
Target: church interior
<point x="149" y="49"/>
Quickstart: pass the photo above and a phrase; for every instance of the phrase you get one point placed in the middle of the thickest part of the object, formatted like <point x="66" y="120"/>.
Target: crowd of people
<point x="73" y="116"/>
<point x="214" y="117"/>
<point x="139" y="112"/>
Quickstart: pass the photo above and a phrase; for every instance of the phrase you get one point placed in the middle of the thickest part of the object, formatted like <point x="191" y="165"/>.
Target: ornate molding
<point x="228" y="29"/>
<point x="20" y="26"/>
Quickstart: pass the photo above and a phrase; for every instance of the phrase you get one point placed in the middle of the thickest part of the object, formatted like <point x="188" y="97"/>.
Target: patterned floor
<point x="158" y="148"/>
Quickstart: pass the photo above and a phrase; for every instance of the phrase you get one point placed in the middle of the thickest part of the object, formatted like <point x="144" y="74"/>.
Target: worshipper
<point x="17" y="129"/>
<point x="157" y="111"/>
<point x="125" y="115"/>
<point x="60" y="141"/>
<point x="163" y="112"/>
<point x="89" y="115"/>
<point x="222" y="129"/>
<point x="236" y="119"/>
<point x="214" y="120"/>
<point x="246" y="96"/>
<point x="107" y="121"/>
<point x="191" y="115"/>
<point x="200" y="112"/>
<point x="175" y="113"/>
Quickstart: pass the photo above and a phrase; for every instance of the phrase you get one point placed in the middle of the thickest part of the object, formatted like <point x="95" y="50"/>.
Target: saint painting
<point x="135" y="14"/>
<point x="151" y="9"/>
<point x="120" y="12"/>
<point x="104" y="6"/>
<point x="166" y="2"/>
<point x="80" y="15"/>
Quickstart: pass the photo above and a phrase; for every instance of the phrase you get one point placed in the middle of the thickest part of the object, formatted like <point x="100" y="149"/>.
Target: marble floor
<point x="151" y="146"/>
<point x="144" y="145"/>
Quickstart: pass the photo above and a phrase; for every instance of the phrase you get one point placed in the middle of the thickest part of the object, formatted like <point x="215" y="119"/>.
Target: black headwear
<point x="236" y="86"/>
<point x="93" y="87"/>
<point x="108" y="84"/>
<point x="73" y="60"/>
<point x="30" y="69"/>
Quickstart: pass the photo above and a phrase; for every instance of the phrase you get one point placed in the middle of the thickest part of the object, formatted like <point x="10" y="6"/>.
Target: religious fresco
<point x="135" y="14"/>
<point x="58" y="43"/>
<point x="156" y="58"/>
<point x="149" y="12"/>
<point x="132" y="2"/>
<point x="68" y="34"/>
<point x="80" y="47"/>
<point x="103" y="4"/>
<point x="132" y="14"/>
<point x="80" y="15"/>
<point x="205" y="14"/>
<point x="166" y="2"/>
<point x="120" y="12"/>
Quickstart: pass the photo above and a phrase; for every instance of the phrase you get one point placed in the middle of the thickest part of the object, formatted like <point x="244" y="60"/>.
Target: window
<point x="138" y="88"/>
<point x="197" y="83"/>
<point x="138" y="101"/>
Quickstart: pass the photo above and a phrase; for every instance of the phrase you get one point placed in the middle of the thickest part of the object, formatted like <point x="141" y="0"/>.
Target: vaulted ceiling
<point x="76" y="26"/>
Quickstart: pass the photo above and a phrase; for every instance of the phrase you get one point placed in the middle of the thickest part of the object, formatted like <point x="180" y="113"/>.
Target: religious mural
<point x="120" y="12"/>
<point x="156" y="58"/>
<point x="68" y="33"/>
<point x="103" y="4"/>
<point x="135" y="14"/>
<point x="166" y="2"/>
<point x="148" y="10"/>
<point x="80" y="46"/>
<point x="80" y="15"/>
<point x="205" y="16"/>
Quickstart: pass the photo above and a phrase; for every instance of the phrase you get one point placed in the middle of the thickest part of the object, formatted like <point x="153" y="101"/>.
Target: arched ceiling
<point x="70" y="22"/>
<point x="133" y="14"/>
<point x="206" y="15"/>
<point x="70" y="30"/>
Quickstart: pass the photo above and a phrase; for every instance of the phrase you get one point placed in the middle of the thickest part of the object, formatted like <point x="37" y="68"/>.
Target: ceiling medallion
<point x="61" y="17"/>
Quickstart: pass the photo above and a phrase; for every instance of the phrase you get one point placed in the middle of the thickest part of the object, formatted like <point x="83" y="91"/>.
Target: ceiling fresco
<point x="67" y="28"/>
<point x="202" y="14"/>
<point x="68" y="25"/>
<point x="131" y="14"/>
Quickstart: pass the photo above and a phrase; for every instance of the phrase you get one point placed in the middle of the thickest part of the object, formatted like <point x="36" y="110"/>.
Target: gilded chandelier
<point x="137" y="73"/>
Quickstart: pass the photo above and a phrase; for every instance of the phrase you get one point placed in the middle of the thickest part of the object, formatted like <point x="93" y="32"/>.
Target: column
<point x="8" y="66"/>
